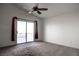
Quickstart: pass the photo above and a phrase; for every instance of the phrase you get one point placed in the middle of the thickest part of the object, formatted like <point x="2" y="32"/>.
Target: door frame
<point x="26" y="28"/>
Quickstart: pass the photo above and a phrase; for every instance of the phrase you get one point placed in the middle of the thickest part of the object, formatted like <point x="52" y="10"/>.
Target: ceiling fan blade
<point x="43" y="9"/>
<point x="39" y="12"/>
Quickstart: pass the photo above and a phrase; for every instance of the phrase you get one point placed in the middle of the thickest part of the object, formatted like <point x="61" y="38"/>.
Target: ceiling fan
<point x="37" y="9"/>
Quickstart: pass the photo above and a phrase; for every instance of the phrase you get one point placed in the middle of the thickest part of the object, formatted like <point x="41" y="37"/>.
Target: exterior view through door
<point x="25" y="31"/>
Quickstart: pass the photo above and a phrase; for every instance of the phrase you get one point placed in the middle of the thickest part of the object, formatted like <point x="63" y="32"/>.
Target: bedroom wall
<point x="63" y="29"/>
<point x="7" y="11"/>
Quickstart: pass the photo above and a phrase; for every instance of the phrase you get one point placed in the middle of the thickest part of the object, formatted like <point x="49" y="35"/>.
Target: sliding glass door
<point x="25" y="31"/>
<point x="21" y="32"/>
<point x="30" y="31"/>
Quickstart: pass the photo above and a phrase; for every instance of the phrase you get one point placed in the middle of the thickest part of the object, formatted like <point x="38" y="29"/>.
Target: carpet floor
<point x="38" y="49"/>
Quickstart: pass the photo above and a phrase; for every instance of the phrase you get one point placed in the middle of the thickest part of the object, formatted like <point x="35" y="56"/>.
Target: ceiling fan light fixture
<point x="29" y="12"/>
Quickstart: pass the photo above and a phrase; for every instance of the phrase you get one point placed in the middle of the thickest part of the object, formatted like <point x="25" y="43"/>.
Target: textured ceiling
<point x="54" y="9"/>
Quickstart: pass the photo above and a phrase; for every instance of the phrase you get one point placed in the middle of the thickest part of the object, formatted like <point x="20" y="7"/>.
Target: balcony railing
<point x="22" y="37"/>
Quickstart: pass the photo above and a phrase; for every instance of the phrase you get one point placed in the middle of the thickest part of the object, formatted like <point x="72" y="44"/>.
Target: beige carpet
<point x="38" y="49"/>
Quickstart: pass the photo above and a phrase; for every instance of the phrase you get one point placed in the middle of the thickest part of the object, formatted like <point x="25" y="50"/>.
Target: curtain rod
<point x="23" y="19"/>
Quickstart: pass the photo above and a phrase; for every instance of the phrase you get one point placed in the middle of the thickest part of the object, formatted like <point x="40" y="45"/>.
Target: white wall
<point x="63" y="29"/>
<point x="7" y="11"/>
